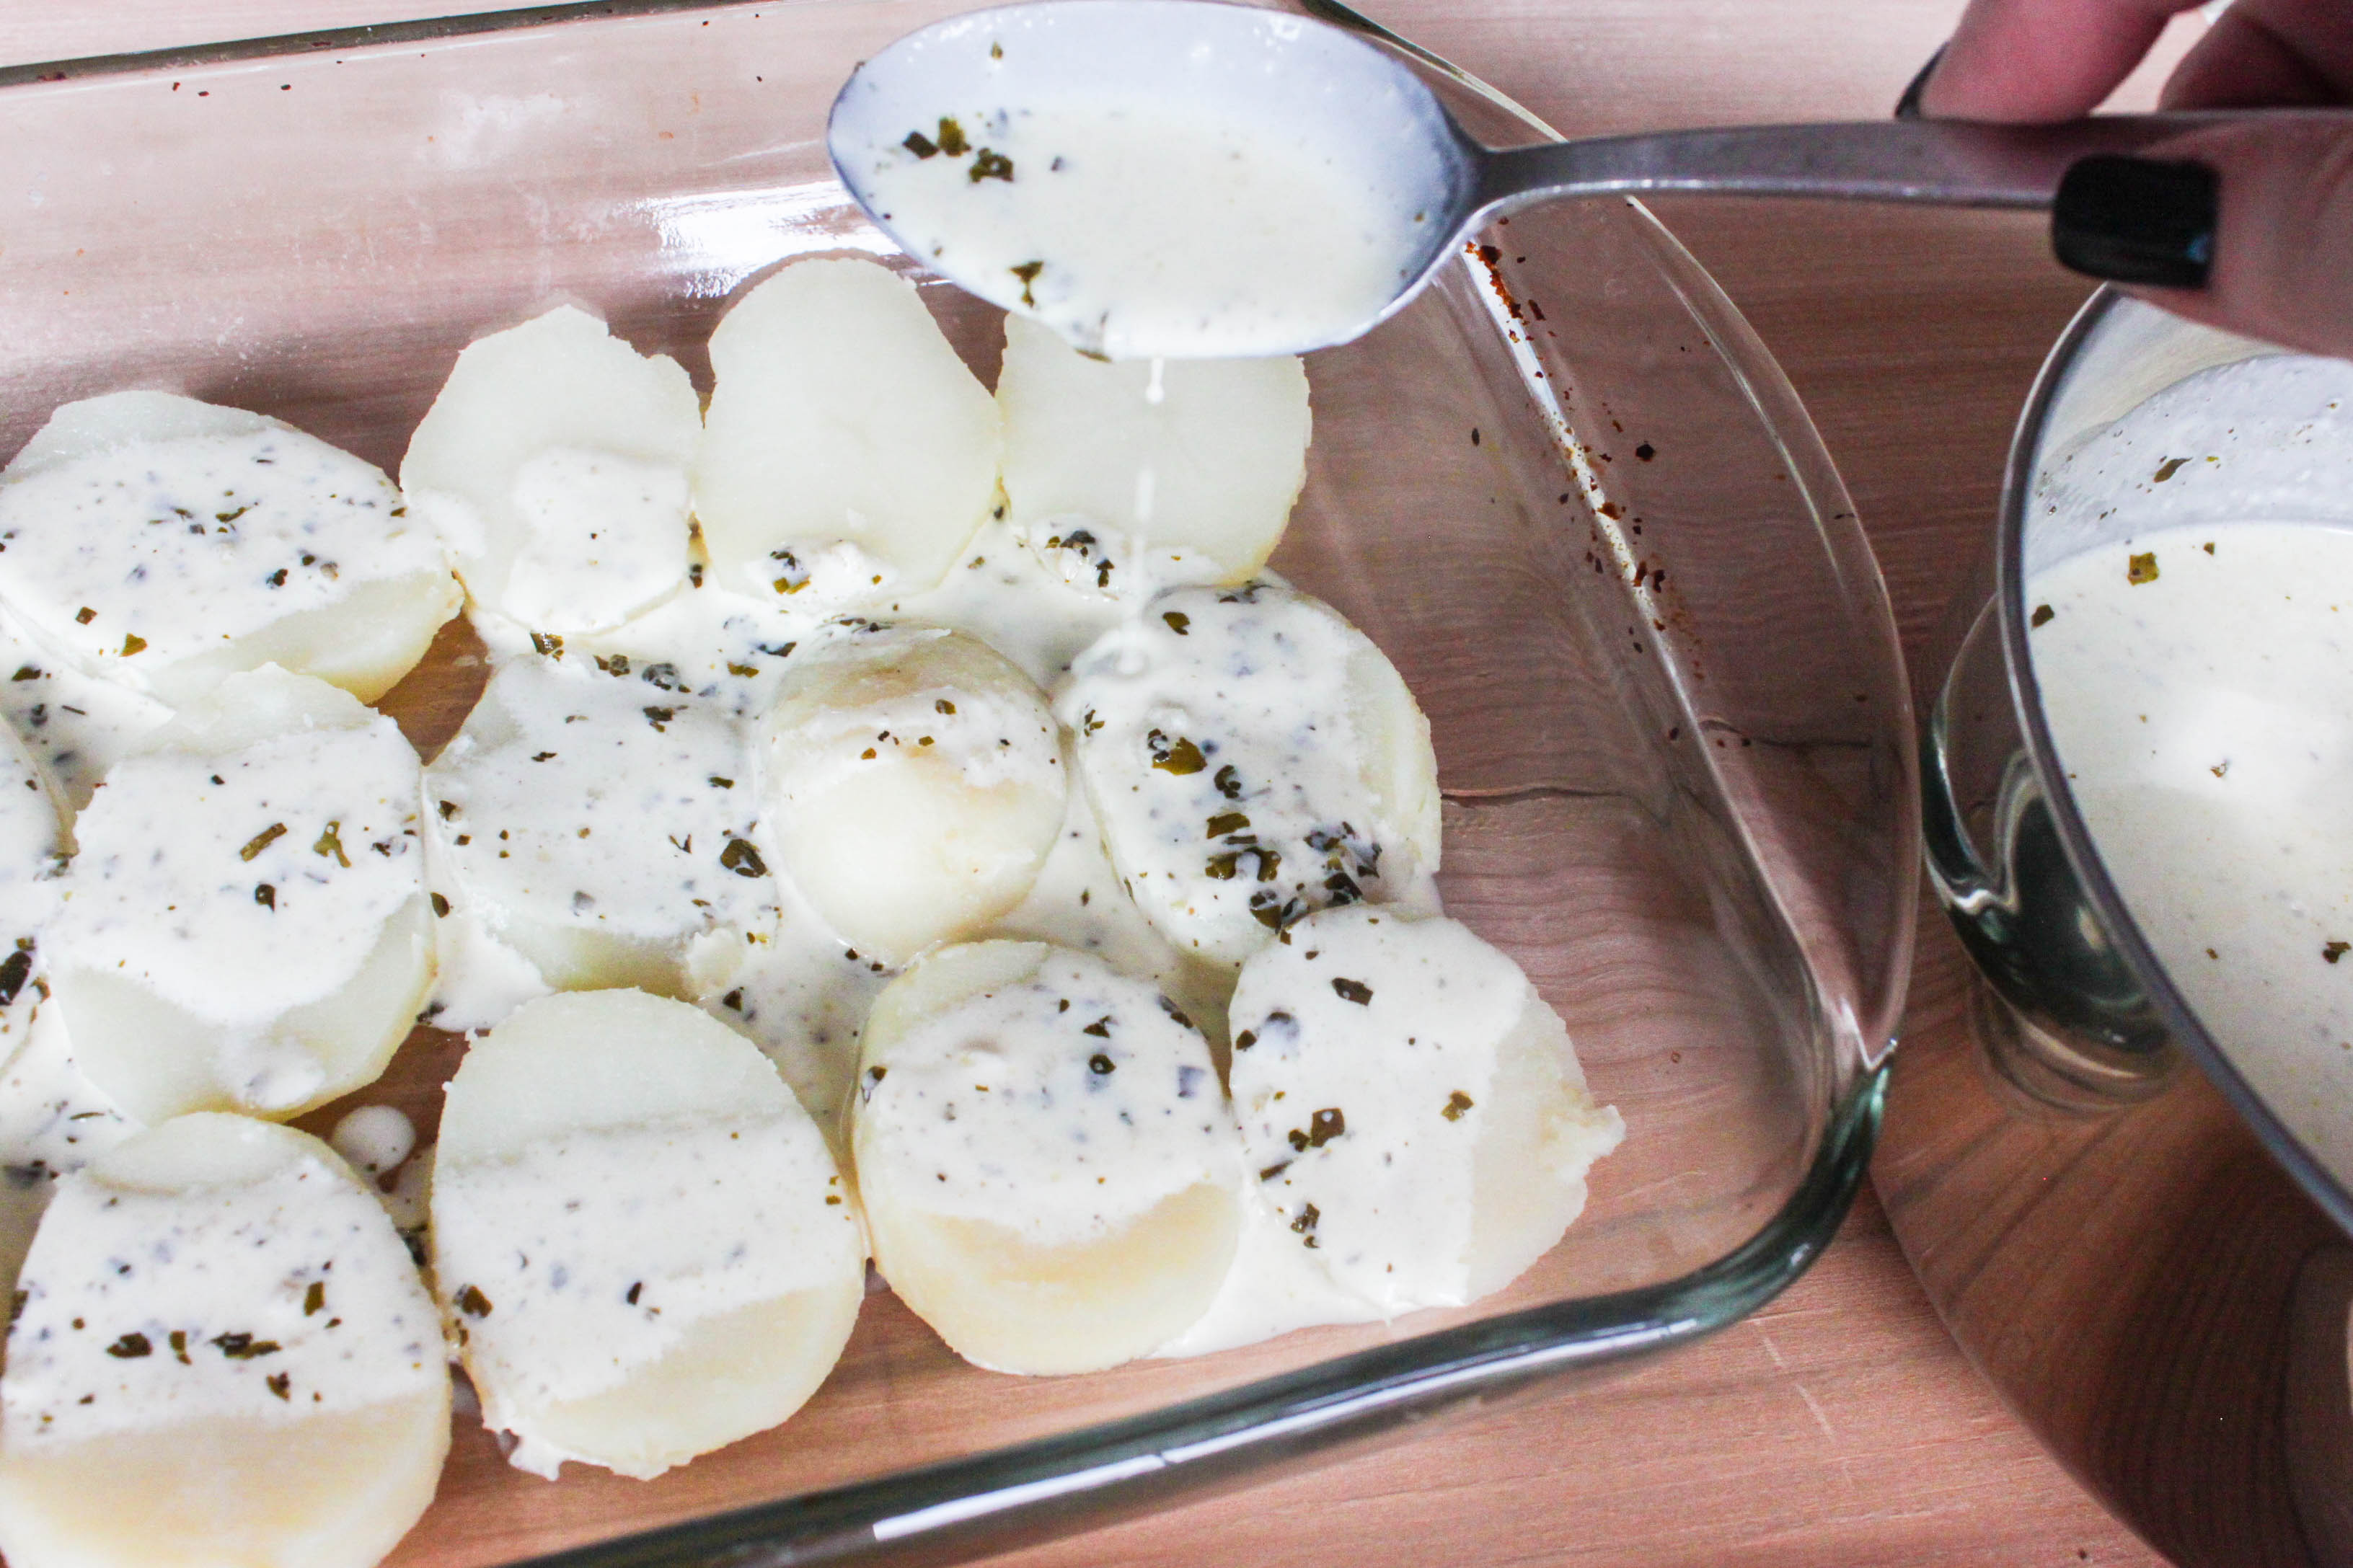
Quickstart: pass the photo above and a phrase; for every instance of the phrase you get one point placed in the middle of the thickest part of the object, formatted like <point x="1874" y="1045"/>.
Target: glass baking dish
<point x="1567" y="492"/>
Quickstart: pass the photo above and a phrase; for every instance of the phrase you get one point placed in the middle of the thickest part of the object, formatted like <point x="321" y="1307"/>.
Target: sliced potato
<point x="164" y="543"/>
<point x="223" y="1355"/>
<point x="33" y="842"/>
<point x="640" y="1236"/>
<point x="244" y="925"/>
<point x="847" y="451"/>
<point x="1252" y="757"/>
<point x="1050" y="1172"/>
<point x="594" y="824"/>
<point x="1133" y="477"/>
<point x="53" y="1122"/>
<point x="1415" y="1112"/>
<point x="911" y="779"/>
<point x="555" y="463"/>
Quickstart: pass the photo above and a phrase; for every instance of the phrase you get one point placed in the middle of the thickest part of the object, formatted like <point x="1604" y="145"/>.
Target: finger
<point x="2277" y="227"/>
<point x="2281" y="53"/>
<point x="2041" y="60"/>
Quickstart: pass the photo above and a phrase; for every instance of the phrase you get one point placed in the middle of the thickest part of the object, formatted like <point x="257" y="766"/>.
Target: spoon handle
<point x="1950" y="162"/>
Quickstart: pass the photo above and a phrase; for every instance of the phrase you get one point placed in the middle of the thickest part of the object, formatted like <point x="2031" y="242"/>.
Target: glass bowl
<point x="1567" y="492"/>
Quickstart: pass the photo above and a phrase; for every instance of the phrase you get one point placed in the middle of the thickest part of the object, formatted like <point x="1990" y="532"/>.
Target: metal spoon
<point x="974" y="86"/>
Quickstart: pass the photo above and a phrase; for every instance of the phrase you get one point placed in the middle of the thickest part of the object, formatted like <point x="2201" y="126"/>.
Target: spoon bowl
<point x="1160" y="177"/>
<point x="1186" y="179"/>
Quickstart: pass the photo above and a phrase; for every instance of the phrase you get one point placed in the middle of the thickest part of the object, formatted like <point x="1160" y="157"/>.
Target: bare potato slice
<point x="1050" y="1172"/>
<point x="1415" y="1112"/>
<point x="164" y="543"/>
<point x="1131" y="476"/>
<point x="244" y="925"/>
<point x="555" y="463"/>
<point x="1252" y="757"/>
<point x="223" y="1354"/>
<point x="641" y="1236"/>
<point x="847" y="449"/>
<point x="912" y="781"/>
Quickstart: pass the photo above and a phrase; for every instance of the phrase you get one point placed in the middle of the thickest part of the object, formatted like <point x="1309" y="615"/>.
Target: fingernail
<point x="1908" y="106"/>
<point x="2137" y="220"/>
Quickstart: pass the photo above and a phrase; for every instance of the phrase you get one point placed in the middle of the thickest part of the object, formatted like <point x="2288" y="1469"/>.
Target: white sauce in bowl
<point x="2198" y="681"/>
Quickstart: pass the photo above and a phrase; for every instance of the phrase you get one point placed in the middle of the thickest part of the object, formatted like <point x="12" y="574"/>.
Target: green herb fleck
<point x="2141" y="568"/>
<point x="2042" y="616"/>
<point x="2334" y="951"/>
<point x="1179" y="756"/>
<point x="951" y="138"/>
<point x="1456" y="1104"/>
<point x="281" y="1384"/>
<point x="1100" y="1064"/>
<point x="921" y="145"/>
<point x="262" y="840"/>
<point x="741" y="857"/>
<point x="315" y="1297"/>
<point x="243" y="1347"/>
<point x="2167" y="469"/>
<point x="1355" y="991"/>
<point x="1028" y="272"/>
<point x="134" y="643"/>
<point x="130" y="1347"/>
<point x="441" y="906"/>
<point x="1178" y="622"/>
<point x="329" y="844"/>
<point x="473" y="1303"/>
<point x="991" y="165"/>
<point x="266" y="896"/>
<point x="547" y="645"/>
<point x="1100" y="1028"/>
<point x="1226" y="822"/>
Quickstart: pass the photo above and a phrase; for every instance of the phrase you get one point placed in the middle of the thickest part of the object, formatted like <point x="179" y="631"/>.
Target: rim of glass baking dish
<point x="2180" y="1022"/>
<point x="1034" y="1491"/>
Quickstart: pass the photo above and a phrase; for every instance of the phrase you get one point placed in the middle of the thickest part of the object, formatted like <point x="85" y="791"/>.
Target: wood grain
<point x="1839" y="1425"/>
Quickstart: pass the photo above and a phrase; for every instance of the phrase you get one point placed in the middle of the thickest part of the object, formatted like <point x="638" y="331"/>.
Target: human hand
<point x="2248" y="228"/>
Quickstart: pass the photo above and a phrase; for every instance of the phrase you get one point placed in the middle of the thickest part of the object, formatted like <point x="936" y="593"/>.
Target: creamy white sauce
<point x="589" y="1255"/>
<point x="592" y="802"/>
<point x="243" y="885"/>
<point x="53" y="1122"/>
<point x="798" y="992"/>
<point x="373" y="1140"/>
<point x="32" y="854"/>
<point x="2198" y="678"/>
<point x="1136" y="230"/>
<point x="1063" y="1108"/>
<point x="604" y="541"/>
<point x="1365" y="1047"/>
<point x="76" y="724"/>
<point x="262" y="1301"/>
<point x="142" y="555"/>
<point x="2204" y="718"/>
<point x="1229" y="762"/>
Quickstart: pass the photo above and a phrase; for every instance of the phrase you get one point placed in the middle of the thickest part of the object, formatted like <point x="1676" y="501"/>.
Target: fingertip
<point x="2141" y="221"/>
<point x="1907" y="107"/>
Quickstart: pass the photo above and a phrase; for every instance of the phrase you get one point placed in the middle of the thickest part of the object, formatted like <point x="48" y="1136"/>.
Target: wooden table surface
<point x="1839" y="1425"/>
